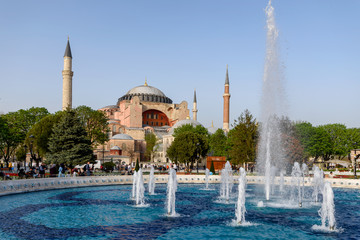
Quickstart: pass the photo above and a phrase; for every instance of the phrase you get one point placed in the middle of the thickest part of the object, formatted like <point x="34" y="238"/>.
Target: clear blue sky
<point x="179" y="46"/>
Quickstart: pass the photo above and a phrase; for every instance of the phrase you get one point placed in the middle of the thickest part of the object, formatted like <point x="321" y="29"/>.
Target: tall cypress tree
<point x="69" y="143"/>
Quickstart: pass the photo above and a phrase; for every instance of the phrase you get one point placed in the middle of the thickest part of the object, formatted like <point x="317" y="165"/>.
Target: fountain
<point x="226" y="182"/>
<point x="327" y="211"/>
<point x="140" y="189"/>
<point x="271" y="151"/>
<point x="207" y="173"/>
<point x="240" y="206"/>
<point x="296" y="175"/>
<point x="171" y="190"/>
<point x="318" y="182"/>
<point x="151" y="184"/>
<point x="281" y="182"/>
<point x="133" y="191"/>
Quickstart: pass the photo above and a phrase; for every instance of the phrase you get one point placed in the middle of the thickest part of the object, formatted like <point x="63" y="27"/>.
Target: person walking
<point x="87" y="169"/>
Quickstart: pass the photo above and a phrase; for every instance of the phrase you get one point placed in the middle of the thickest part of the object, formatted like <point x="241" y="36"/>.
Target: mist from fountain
<point x="171" y="193"/>
<point x="151" y="184"/>
<point x="240" y="206"/>
<point x="226" y="182"/>
<point x="318" y="182"/>
<point x="296" y="180"/>
<point x="207" y="173"/>
<point x="281" y="182"/>
<point x="273" y="105"/>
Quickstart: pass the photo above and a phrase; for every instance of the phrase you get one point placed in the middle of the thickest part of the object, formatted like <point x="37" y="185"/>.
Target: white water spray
<point x="240" y="206"/>
<point x="133" y="192"/>
<point x="226" y="182"/>
<point x="327" y="211"/>
<point x="207" y="173"/>
<point x="318" y="183"/>
<point x="151" y="184"/>
<point x="140" y="189"/>
<point x="171" y="190"/>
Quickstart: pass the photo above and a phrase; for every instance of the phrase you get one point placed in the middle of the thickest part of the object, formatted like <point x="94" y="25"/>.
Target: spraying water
<point x="140" y="189"/>
<point x="207" y="173"/>
<point x="226" y="182"/>
<point x="281" y="183"/>
<point x="271" y="152"/>
<point x="133" y="192"/>
<point x="151" y="184"/>
<point x="327" y="211"/>
<point x="240" y="206"/>
<point x="171" y="190"/>
<point x="318" y="182"/>
<point x="296" y="175"/>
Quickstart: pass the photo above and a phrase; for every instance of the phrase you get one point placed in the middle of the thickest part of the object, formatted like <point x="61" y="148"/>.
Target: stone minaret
<point x="195" y="107"/>
<point x="67" y="78"/>
<point x="226" y="102"/>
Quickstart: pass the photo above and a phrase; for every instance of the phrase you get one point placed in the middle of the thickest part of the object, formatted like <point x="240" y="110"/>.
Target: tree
<point x="10" y="137"/>
<point x="218" y="143"/>
<point x="137" y="167"/>
<point x="69" y="143"/>
<point x="305" y="132"/>
<point x="199" y="129"/>
<point x="242" y="139"/>
<point x="150" y="139"/>
<point x="338" y="139"/>
<point x="212" y="168"/>
<point x="95" y="124"/>
<point x="188" y="147"/>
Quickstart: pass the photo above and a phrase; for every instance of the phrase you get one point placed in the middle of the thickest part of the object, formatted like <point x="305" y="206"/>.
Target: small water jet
<point x="140" y="189"/>
<point x="207" y="173"/>
<point x="318" y="182"/>
<point x="226" y="182"/>
<point x="327" y="210"/>
<point x="133" y="191"/>
<point x="296" y="175"/>
<point x="281" y="182"/>
<point x="151" y="184"/>
<point x="171" y="193"/>
<point x="240" y="206"/>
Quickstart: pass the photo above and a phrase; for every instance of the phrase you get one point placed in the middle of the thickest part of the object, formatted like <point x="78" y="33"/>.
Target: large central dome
<point x="147" y="94"/>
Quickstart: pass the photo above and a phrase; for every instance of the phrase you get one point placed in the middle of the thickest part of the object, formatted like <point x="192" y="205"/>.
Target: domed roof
<point x="122" y="136"/>
<point x="184" y="122"/>
<point x="147" y="94"/>
<point x="115" y="148"/>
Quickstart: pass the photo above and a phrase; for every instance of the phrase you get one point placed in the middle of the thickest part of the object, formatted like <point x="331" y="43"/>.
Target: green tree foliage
<point x="338" y="139"/>
<point x="150" y="139"/>
<point x="242" y="139"/>
<point x="304" y="132"/>
<point x="188" y="147"/>
<point x="212" y="168"/>
<point x="108" y="166"/>
<point x="198" y="129"/>
<point x="10" y="137"/>
<point x="218" y="143"/>
<point x="95" y="124"/>
<point x="20" y="153"/>
<point x="69" y="143"/>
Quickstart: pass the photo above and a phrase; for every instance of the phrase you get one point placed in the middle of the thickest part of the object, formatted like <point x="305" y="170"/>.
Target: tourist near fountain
<point x="272" y="106"/>
<point x="171" y="193"/>
<point x="151" y="183"/>
<point x="207" y="173"/>
<point x="240" y="206"/>
<point x="226" y="182"/>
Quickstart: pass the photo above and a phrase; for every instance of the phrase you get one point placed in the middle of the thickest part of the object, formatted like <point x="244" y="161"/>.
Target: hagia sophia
<point x="142" y="110"/>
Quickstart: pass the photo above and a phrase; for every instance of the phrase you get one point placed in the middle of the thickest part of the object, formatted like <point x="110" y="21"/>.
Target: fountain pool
<point x="106" y="212"/>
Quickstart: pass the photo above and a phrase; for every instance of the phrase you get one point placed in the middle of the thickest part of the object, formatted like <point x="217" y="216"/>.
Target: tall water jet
<point x="240" y="206"/>
<point x="327" y="211"/>
<point x="296" y="177"/>
<point x="207" y="173"/>
<point x="271" y="151"/>
<point x="151" y="184"/>
<point x="318" y="182"/>
<point x="171" y="190"/>
<point x="226" y="182"/>
<point x="133" y="192"/>
<point x="140" y="189"/>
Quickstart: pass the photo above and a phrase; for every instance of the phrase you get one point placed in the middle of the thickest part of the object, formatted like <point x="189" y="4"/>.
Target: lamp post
<point x="31" y="150"/>
<point x="25" y="148"/>
<point x="355" y="144"/>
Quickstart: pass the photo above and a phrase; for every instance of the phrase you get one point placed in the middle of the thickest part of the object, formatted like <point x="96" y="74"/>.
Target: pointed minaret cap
<point x="227" y="75"/>
<point x="212" y="123"/>
<point x="194" y="95"/>
<point x="145" y="84"/>
<point x="68" y="50"/>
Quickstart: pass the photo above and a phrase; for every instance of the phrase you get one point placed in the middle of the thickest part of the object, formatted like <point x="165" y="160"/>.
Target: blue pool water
<point x="108" y="213"/>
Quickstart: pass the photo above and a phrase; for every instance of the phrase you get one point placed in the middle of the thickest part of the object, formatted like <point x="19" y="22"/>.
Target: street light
<point x="31" y="149"/>
<point x="355" y="157"/>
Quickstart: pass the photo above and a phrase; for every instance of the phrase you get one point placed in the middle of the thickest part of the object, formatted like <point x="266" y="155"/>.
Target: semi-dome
<point x="122" y="136"/>
<point x="147" y="94"/>
<point x="180" y="123"/>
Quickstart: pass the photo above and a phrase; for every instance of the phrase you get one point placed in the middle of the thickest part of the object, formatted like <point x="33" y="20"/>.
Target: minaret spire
<point x="67" y="74"/>
<point x="195" y="107"/>
<point x="145" y="84"/>
<point x="226" y="97"/>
